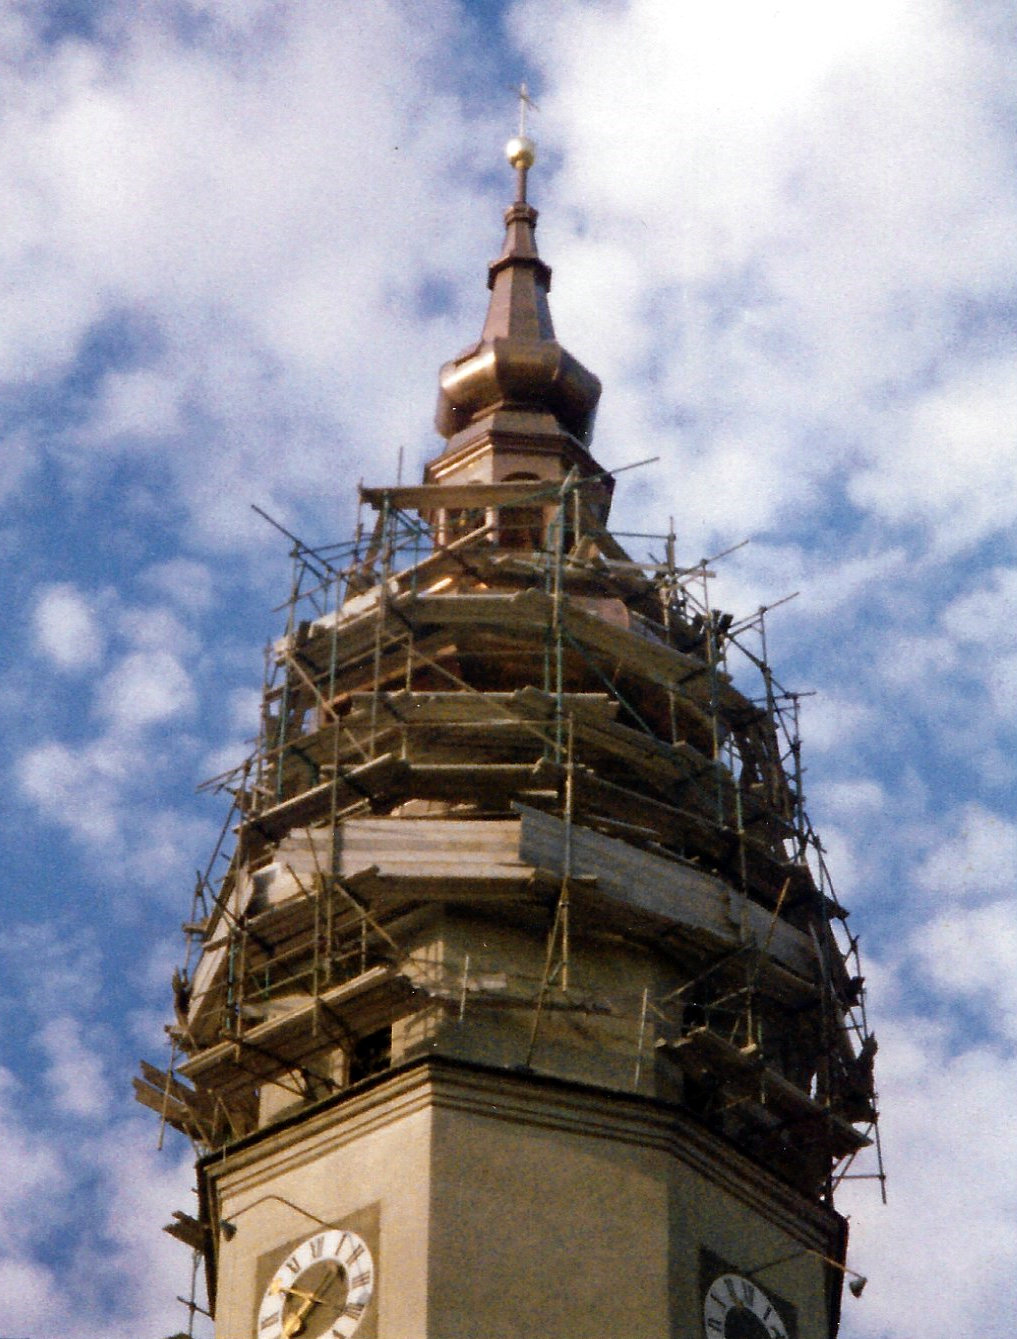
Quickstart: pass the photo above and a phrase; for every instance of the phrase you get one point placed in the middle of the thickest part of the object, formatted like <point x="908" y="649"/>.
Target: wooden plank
<point x="681" y="825"/>
<point x="468" y="781"/>
<point x="429" y="847"/>
<point x="335" y="1017"/>
<point x="523" y="705"/>
<point x="212" y="962"/>
<point x="666" y="765"/>
<point x="434" y="497"/>
<point x="602" y="537"/>
<point x="183" y="1108"/>
<point x="175" y="1113"/>
<point x="179" y="1092"/>
<point x="628" y="647"/>
<point x="525" y="609"/>
<point x="705" y="1051"/>
<point x="370" y="780"/>
<point x="670" y="823"/>
<point x="189" y="1230"/>
<point x="397" y="892"/>
<point x="691" y="898"/>
<point x="580" y="706"/>
<point x="393" y="860"/>
<point x="485" y="723"/>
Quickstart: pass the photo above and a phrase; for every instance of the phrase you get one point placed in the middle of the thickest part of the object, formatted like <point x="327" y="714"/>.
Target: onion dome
<point x="517" y="367"/>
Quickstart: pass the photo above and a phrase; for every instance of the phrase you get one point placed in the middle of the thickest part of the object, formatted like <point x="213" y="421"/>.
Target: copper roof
<point x="517" y="364"/>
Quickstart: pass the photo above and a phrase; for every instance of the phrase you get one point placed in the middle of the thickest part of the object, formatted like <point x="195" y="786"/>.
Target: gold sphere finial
<point x="521" y="151"/>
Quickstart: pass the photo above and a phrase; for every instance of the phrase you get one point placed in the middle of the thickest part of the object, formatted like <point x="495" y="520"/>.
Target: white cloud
<point x="778" y="312"/>
<point x="134" y="1263"/>
<point x="953" y="463"/>
<point x="121" y="1275"/>
<point x="106" y="794"/>
<point x="952" y="1190"/>
<point x="971" y="952"/>
<point x="68" y="627"/>
<point x="237" y="208"/>
<point x="976" y="856"/>
<point x="145" y="688"/>
<point x="156" y="629"/>
<point x="17" y="462"/>
<point x="154" y="972"/>
<point x="913" y="661"/>
<point x="986" y="615"/>
<point x="226" y="759"/>
<point x="1001" y="683"/>
<point x="137" y="404"/>
<point x="164" y="842"/>
<point x="243" y="719"/>
<point x="74" y="1072"/>
<point x="185" y="582"/>
<point x="34" y="1189"/>
<point x="982" y="624"/>
<point x="33" y="1171"/>
<point x="26" y="1290"/>
<point x="104" y="789"/>
<point x="42" y="968"/>
<point x="79" y="789"/>
<point x="849" y="814"/>
<point x="831" y="724"/>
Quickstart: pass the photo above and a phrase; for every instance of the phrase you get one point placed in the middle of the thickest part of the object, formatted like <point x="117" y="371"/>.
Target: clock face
<point x="321" y="1289"/>
<point x="737" y="1308"/>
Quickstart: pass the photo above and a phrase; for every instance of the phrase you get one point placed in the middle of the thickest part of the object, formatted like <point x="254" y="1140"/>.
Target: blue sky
<point x="240" y="236"/>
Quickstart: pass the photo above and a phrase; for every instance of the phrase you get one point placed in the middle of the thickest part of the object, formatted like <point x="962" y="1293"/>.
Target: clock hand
<point x="292" y="1292"/>
<point x="294" y="1323"/>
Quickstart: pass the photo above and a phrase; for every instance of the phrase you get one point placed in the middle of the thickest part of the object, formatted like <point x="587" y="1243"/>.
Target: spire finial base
<point x="522" y="154"/>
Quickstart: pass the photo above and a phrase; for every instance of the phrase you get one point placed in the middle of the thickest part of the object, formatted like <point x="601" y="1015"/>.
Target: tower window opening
<point x="521" y="527"/>
<point x="457" y="521"/>
<point x="371" y="1054"/>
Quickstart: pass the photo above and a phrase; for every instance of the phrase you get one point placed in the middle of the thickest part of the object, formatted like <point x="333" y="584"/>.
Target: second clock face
<point x="320" y="1291"/>
<point x="737" y="1308"/>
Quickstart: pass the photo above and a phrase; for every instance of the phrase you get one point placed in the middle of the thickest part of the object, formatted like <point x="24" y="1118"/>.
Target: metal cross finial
<point x="520" y="150"/>
<point x="525" y="101"/>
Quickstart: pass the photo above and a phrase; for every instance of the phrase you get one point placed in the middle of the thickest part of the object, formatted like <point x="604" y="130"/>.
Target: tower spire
<point x="518" y="382"/>
<point x="519" y="280"/>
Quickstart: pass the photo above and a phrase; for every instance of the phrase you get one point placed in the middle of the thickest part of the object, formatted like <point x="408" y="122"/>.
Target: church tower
<point x="522" y="1008"/>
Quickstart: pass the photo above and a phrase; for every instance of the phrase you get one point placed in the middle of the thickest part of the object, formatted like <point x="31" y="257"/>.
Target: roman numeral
<point x="317" y="1246"/>
<point x="714" y="1324"/>
<point x="354" y="1309"/>
<point x="360" y="1280"/>
<point x="729" y="1285"/>
<point x="748" y="1292"/>
<point x="293" y="1265"/>
<point x="267" y="1322"/>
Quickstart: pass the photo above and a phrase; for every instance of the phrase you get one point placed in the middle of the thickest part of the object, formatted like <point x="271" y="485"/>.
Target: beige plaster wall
<point x="506" y="1207"/>
<point x="598" y="1044"/>
<point x="370" y="1176"/>
<point x="537" y="1230"/>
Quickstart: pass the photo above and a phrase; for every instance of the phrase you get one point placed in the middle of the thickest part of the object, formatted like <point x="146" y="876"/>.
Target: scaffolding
<point x="555" y="726"/>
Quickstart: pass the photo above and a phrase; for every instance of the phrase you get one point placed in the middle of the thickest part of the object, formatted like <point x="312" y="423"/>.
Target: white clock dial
<point x="320" y="1291"/>
<point x="737" y="1308"/>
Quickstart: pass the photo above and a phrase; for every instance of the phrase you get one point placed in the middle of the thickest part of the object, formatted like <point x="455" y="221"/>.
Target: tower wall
<point x="508" y="1206"/>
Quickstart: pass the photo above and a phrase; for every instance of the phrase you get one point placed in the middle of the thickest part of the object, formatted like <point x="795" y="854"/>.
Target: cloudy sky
<point x="239" y="236"/>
